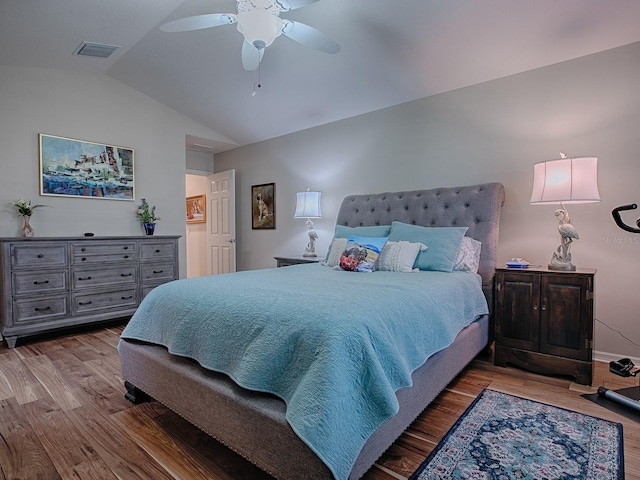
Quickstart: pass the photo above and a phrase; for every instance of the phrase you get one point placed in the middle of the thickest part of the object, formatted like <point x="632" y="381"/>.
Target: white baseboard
<point x="608" y="357"/>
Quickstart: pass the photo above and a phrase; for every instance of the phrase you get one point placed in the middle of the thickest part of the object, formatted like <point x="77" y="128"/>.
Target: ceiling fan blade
<point x="199" y="22"/>
<point x="251" y="56"/>
<point x="286" y="5"/>
<point x="309" y="36"/>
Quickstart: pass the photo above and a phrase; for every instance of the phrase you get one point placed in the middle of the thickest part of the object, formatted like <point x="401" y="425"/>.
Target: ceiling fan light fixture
<point x="259" y="27"/>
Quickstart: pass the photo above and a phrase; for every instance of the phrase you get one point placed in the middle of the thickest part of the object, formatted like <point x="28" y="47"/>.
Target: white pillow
<point x="399" y="256"/>
<point x="468" y="259"/>
<point x="336" y="248"/>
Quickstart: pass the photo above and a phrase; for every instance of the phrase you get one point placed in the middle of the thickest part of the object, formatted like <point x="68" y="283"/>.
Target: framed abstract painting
<point x="78" y="168"/>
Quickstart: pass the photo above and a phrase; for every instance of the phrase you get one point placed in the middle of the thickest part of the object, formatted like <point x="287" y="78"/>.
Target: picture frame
<point x="197" y="209"/>
<point x="263" y="206"/>
<point x="79" y="168"/>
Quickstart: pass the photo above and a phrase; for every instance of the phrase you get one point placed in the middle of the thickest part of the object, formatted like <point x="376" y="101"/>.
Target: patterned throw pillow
<point x="468" y="259"/>
<point x="400" y="256"/>
<point x="361" y="253"/>
<point x="335" y="252"/>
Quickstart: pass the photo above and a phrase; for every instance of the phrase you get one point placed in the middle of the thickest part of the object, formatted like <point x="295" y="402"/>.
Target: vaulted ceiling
<point x="392" y="52"/>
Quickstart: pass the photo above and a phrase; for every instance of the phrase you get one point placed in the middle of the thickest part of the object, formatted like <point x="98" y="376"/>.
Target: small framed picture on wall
<point x="197" y="209"/>
<point x="263" y="206"/>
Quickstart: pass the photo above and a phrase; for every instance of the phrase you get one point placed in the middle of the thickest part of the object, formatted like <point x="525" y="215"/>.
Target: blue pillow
<point x="361" y="253"/>
<point x="373" y="231"/>
<point x="443" y="244"/>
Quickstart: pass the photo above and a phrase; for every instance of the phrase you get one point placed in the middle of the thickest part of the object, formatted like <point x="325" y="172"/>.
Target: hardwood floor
<point x="63" y="415"/>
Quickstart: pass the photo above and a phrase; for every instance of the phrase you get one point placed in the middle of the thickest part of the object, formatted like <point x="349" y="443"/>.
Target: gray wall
<point x="490" y="132"/>
<point x="99" y="109"/>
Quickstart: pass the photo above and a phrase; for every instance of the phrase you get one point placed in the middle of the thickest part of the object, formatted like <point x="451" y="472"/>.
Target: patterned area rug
<point x="505" y="437"/>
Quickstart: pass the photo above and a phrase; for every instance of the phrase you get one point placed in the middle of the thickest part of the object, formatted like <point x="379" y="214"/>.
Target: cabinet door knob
<point x="535" y="307"/>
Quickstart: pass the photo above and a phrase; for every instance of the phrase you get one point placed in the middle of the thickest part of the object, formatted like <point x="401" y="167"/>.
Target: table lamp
<point x="308" y="206"/>
<point x="565" y="181"/>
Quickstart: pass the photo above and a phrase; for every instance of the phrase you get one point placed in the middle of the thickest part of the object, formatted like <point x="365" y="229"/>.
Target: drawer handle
<point x="40" y="283"/>
<point x="126" y="256"/>
<point x="126" y="248"/>
<point x="157" y="250"/>
<point x="37" y="309"/>
<point x="158" y="271"/>
<point x="126" y="274"/>
<point x="40" y="255"/>
<point x="83" y="259"/>
<point x="83" y="249"/>
<point x="127" y="298"/>
<point x="85" y="303"/>
<point x="84" y="278"/>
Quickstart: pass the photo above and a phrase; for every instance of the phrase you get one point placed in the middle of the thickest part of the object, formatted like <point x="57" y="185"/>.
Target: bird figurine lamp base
<point x="567" y="267"/>
<point x="310" y="251"/>
<point x="561" y="258"/>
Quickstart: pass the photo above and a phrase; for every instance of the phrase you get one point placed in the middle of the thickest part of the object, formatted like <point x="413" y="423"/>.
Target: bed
<point x="391" y="381"/>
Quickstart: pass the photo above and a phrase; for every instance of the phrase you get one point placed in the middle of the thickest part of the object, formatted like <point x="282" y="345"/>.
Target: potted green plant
<point x="147" y="214"/>
<point x="25" y="210"/>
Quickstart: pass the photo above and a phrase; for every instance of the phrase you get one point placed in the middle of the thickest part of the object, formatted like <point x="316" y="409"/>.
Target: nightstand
<point x="295" y="260"/>
<point x="544" y="321"/>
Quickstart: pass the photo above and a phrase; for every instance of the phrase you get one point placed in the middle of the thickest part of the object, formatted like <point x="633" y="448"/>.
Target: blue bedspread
<point x="335" y="345"/>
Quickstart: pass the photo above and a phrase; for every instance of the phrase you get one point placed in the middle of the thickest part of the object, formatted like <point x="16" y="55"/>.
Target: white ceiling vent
<point x="99" y="50"/>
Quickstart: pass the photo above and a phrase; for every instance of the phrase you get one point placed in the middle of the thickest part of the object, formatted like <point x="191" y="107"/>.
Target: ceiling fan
<point x="260" y="23"/>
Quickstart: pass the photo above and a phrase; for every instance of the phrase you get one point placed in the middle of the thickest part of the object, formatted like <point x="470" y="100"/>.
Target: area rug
<point x="504" y="437"/>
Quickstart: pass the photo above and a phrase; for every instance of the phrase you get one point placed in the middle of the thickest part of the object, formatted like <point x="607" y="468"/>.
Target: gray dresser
<point x="53" y="283"/>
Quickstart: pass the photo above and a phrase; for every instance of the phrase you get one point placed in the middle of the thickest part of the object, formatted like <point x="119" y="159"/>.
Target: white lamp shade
<point x="566" y="180"/>
<point x="308" y="205"/>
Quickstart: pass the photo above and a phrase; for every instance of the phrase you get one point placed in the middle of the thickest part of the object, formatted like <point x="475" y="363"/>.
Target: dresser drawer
<point x="113" y="300"/>
<point x="41" y="282"/>
<point x="90" y="252"/>
<point x="157" y="250"/>
<point x="157" y="273"/>
<point x="101" y="276"/>
<point x="27" y="311"/>
<point x="38" y="255"/>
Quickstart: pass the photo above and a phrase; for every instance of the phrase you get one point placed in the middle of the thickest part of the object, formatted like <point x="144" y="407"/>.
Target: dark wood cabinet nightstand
<point x="296" y="260"/>
<point x="544" y="321"/>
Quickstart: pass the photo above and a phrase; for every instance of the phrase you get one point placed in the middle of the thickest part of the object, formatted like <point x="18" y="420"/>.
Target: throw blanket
<point x="334" y="345"/>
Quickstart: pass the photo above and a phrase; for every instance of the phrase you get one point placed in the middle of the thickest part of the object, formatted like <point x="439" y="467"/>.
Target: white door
<point x="221" y="223"/>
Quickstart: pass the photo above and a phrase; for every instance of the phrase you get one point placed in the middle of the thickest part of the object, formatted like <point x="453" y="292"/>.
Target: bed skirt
<point x="253" y="424"/>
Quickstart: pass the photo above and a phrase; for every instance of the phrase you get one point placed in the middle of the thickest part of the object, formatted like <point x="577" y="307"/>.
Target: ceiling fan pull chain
<point x="253" y="94"/>
<point x="256" y="78"/>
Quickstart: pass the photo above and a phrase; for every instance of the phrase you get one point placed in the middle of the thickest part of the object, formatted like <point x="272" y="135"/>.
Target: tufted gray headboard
<point x="477" y="207"/>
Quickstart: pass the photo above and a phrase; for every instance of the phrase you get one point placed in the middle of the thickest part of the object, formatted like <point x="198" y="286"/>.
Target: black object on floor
<point x="632" y="392"/>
